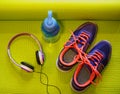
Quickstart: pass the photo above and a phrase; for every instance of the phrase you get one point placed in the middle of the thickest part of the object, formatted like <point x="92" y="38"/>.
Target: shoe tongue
<point x="93" y="62"/>
<point x="71" y="42"/>
<point x="100" y="65"/>
<point x="80" y="45"/>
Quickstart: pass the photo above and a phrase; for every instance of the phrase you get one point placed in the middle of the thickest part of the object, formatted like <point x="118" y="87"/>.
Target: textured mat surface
<point x="16" y="81"/>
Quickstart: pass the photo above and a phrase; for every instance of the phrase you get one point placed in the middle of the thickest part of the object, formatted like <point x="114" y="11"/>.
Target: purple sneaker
<point x="79" y="41"/>
<point x="91" y="66"/>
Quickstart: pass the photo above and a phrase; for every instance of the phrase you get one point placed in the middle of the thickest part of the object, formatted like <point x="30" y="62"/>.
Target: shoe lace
<point x="97" y="56"/>
<point x="85" y="59"/>
<point x="82" y="39"/>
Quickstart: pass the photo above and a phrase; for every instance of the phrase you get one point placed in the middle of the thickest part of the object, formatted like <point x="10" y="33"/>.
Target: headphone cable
<point x="47" y="83"/>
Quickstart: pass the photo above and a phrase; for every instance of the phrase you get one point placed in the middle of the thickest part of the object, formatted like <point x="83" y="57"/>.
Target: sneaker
<point x="79" y="41"/>
<point x="91" y="66"/>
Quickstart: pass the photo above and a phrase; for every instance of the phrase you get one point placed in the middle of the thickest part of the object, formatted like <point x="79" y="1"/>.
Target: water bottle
<point x="50" y="28"/>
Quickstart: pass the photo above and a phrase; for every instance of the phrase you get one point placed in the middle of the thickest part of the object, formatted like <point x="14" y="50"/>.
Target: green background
<point x="16" y="81"/>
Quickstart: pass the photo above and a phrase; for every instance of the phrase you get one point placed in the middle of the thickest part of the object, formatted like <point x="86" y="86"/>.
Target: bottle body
<point x="51" y="39"/>
<point x="51" y="36"/>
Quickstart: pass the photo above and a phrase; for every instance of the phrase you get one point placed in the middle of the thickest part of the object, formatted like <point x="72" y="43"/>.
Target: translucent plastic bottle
<point x="50" y="28"/>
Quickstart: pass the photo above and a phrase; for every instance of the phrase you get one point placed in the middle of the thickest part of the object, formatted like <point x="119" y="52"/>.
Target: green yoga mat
<point x="16" y="81"/>
<point x="62" y="9"/>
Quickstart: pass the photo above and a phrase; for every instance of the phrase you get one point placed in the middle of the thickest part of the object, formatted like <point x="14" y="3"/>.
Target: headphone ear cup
<point x="27" y="67"/>
<point x="39" y="57"/>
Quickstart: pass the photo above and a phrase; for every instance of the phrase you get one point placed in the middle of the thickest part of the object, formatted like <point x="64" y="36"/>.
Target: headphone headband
<point x="18" y="35"/>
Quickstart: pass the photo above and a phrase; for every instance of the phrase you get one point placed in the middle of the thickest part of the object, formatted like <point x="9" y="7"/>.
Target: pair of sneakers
<point x="90" y="64"/>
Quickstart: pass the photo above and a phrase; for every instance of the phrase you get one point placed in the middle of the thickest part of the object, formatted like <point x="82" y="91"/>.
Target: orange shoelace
<point x="77" y="39"/>
<point x="84" y="58"/>
<point x="81" y="39"/>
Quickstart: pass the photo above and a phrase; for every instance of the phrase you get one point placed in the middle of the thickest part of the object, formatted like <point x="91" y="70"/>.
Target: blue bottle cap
<point x="50" y="26"/>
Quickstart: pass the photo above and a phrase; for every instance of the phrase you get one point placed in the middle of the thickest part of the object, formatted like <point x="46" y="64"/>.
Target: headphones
<point x="23" y="65"/>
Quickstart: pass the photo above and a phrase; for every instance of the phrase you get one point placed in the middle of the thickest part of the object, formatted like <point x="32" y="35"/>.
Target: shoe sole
<point x="82" y="91"/>
<point x="61" y="69"/>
